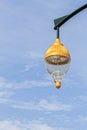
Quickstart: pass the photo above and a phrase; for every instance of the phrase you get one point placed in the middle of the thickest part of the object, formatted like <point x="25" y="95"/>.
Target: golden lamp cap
<point x="58" y="85"/>
<point x="57" y="54"/>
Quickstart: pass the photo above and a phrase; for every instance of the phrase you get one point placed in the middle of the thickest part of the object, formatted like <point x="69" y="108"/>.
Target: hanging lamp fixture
<point x="57" y="57"/>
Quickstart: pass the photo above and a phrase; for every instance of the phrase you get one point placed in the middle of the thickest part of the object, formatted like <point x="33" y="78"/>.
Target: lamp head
<point x="57" y="59"/>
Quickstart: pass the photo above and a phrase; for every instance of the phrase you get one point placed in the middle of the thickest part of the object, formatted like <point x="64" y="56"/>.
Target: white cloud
<point x="29" y="66"/>
<point x="46" y="105"/>
<point x="83" y="98"/>
<point x="31" y="125"/>
<point x="54" y="106"/>
<point x="5" y="97"/>
<point x="4" y="101"/>
<point x="6" y="94"/>
<point x="10" y="125"/>
<point x="17" y="125"/>
<point x="27" y="84"/>
<point x="43" y="105"/>
<point x="83" y="119"/>
<point x="37" y="125"/>
<point x="32" y="60"/>
<point x="33" y="55"/>
<point x="4" y="83"/>
<point x="7" y="90"/>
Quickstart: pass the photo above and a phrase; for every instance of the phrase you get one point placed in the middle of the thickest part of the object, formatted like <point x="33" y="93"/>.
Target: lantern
<point x="57" y="60"/>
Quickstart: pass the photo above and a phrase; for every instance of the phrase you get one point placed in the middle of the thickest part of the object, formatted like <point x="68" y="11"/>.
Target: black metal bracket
<point x="60" y="21"/>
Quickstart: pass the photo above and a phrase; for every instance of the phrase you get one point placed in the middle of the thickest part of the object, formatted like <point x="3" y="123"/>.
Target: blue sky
<point x="28" y="97"/>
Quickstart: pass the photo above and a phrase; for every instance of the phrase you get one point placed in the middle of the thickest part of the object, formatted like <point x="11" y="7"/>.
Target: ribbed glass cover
<point x="57" y="71"/>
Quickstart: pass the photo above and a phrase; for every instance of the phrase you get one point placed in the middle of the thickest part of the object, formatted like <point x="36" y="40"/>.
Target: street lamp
<point x="57" y="57"/>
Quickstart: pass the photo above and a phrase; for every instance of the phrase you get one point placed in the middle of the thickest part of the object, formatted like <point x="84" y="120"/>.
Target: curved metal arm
<point x="60" y="21"/>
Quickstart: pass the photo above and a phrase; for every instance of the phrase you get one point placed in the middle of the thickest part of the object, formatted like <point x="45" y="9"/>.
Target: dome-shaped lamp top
<point x="57" y="54"/>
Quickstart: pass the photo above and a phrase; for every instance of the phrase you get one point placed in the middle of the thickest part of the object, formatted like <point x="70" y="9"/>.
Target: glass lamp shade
<point x="57" y="59"/>
<point x="57" y="71"/>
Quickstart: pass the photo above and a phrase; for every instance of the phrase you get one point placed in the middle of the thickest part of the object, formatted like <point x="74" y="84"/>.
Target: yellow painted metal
<point x="57" y="54"/>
